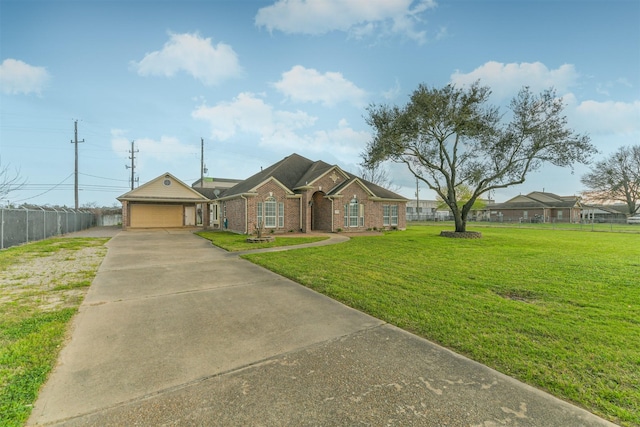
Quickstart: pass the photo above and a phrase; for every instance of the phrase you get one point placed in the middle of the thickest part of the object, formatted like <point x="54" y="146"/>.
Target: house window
<point x="559" y="214"/>
<point x="352" y="213"/>
<point x="270" y="212"/>
<point x="390" y="215"/>
<point x="525" y="214"/>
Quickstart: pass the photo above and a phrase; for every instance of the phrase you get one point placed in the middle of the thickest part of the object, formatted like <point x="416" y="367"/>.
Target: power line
<point x="102" y="177"/>
<point x="45" y="192"/>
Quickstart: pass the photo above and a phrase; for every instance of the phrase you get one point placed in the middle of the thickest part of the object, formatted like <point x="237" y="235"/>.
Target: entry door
<point x="190" y="216"/>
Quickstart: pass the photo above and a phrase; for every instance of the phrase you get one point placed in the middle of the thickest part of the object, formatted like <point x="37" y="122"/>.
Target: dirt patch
<point x="52" y="281"/>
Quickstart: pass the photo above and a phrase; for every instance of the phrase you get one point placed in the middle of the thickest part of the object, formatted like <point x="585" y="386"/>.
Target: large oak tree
<point x="451" y="138"/>
<point x="616" y="179"/>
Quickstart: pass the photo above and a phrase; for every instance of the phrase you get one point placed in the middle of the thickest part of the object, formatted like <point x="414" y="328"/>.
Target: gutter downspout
<point x="301" y="209"/>
<point x="332" y="215"/>
<point x="246" y="214"/>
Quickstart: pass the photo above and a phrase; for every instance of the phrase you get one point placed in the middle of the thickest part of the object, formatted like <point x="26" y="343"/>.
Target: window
<point x="270" y="213"/>
<point x="559" y="214"/>
<point x="390" y="215"/>
<point x="525" y="214"/>
<point x="394" y="214"/>
<point x="352" y="213"/>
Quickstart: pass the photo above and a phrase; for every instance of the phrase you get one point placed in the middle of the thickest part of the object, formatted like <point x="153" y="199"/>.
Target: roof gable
<point x="287" y="172"/>
<point x="317" y="171"/>
<point x="340" y="189"/>
<point x="166" y="187"/>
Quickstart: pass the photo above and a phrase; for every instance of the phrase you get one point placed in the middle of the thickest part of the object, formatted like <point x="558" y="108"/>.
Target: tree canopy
<point x="616" y="179"/>
<point x="452" y="137"/>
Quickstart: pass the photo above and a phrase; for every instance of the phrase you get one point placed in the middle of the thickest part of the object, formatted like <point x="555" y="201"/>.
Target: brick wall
<point x="125" y="215"/>
<point x="235" y="215"/>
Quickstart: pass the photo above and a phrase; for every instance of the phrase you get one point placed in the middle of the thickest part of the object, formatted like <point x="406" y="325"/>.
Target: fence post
<point x="44" y="223"/>
<point x="27" y="224"/>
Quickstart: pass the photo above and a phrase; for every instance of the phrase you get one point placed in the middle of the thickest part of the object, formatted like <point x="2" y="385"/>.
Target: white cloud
<point x="19" y="77"/>
<point x="194" y="55"/>
<point x="358" y="17"/>
<point x="609" y="117"/>
<point x="302" y="84"/>
<point x="393" y="92"/>
<point x="506" y="80"/>
<point x="247" y="114"/>
<point x="167" y="150"/>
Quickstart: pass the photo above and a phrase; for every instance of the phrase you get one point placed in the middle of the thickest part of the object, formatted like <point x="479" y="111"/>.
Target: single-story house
<point x="293" y="195"/>
<point x="537" y="206"/>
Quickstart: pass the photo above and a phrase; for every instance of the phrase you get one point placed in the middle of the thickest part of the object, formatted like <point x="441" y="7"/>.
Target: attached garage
<point x="165" y="202"/>
<point x="153" y="216"/>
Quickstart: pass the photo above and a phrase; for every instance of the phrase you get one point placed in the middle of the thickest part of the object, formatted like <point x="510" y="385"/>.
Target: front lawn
<point x="559" y="310"/>
<point x="234" y="242"/>
<point x="41" y="286"/>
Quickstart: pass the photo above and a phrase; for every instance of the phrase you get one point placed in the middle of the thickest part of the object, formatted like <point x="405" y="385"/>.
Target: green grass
<point x="33" y="319"/>
<point x="559" y="310"/>
<point x="238" y="242"/>
<point x="622" y="227"/>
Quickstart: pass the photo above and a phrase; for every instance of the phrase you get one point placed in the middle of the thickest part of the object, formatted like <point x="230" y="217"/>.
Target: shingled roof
<point x="539" y="199"/>
<point x="295" y="172"/>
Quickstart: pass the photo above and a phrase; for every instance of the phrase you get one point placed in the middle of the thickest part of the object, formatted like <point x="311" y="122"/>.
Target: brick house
<point x="301" y="195"/>
<point x="537" y="207"/>
<point x="293" y="195"/>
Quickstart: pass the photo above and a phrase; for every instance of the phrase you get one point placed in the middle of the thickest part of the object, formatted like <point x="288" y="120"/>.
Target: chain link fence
<point x="24" y="225"/>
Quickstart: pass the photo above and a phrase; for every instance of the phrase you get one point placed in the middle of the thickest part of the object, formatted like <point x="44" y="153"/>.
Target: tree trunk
<point x="461" y="225"/>
<point x="460" y="220"/>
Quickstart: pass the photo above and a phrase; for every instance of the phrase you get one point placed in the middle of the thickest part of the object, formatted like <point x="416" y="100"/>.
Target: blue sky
<point x="259" y="80"/>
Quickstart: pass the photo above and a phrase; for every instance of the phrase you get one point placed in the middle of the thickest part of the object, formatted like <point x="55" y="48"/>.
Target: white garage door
<point x="148" y="216"/>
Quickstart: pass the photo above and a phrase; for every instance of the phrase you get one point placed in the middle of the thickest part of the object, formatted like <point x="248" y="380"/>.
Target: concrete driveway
<point x="174" y="331"/>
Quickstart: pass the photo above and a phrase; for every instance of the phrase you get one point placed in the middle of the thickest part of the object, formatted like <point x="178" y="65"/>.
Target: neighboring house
<point x="294" y="194"/>
<point x="537" y="207"/>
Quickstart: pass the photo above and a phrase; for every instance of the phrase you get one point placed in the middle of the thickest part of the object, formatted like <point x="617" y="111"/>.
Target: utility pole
<point x="201" y="162"/>
<point x="75" y="186"/>
<point x="133" y="164"/>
